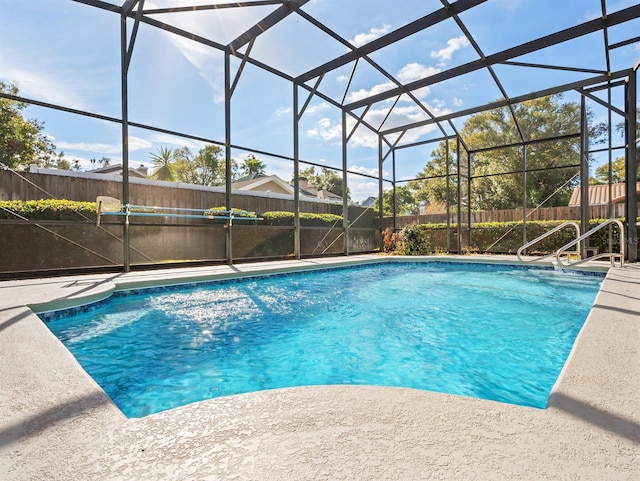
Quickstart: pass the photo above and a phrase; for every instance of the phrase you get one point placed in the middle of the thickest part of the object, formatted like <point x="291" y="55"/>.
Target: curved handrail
<point x="610" y="255"/>
<point x="544" y="236"/>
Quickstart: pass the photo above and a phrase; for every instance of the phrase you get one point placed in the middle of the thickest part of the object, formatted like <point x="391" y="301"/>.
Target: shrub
<point x="415" y="241"/>
<point x="222" y="211"/>
<point x="391" y="240"/>
<point x="283" y="218"/>
<point x="48" y="209"/>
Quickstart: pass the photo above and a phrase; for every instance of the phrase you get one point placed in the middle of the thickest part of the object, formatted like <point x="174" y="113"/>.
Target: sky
<point x="67" y="53"/>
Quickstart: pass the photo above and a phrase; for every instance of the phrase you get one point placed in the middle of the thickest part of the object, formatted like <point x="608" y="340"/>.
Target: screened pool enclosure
<point x="211" y="131"/>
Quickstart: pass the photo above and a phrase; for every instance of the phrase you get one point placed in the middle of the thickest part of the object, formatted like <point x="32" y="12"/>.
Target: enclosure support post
<point x="524" y="194"/>
<point x="632" y="133"/>
<point x="459" y="200"/>
<point x="468" y="199"/>
<point x="125" y="137"/>
<point x="296" y="174"/>
<point x="610" y="167"/>
<point x="584" y="173"/>
<point x="345" y="197"/>
<point x="448" y="194"/>
<point x="227" y="148"/>
<point x="394" y="200"/>
<point x="380" y="192"/>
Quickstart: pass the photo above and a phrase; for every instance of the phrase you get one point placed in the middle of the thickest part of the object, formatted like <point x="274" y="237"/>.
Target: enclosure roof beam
<point x="266" y="23"/>
<point x="128" y="6"/>
<point x="511" y="53"/>
<point x="183" y="33"/>
<point x="522" y="98"/>
<point x="217" y="6"/>
<point x="553" y="67"/>
<point x="624" y="43"/>
<point x="602" y="102"/>
<point x="526" y="142"/>
<point x="392" y="37"/>
<point x="99" y="4"/>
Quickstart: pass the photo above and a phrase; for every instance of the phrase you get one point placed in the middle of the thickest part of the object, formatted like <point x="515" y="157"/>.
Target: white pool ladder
<point x="544" y="236"/>
<point x="611" y="255"/>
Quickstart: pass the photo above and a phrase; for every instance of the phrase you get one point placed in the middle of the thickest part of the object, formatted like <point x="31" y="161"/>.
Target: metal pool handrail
<point x="544" y="236"/>
<point x="111" y="206"/>
<point x="610" y="255"/>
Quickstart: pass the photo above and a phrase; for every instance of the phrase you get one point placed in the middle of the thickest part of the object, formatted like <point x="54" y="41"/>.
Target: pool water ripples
<point x="491" y="332"/>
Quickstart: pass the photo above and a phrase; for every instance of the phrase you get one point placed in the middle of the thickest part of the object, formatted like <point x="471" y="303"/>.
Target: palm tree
<point x="252" y="165"/>
<point x="163" y="162"/>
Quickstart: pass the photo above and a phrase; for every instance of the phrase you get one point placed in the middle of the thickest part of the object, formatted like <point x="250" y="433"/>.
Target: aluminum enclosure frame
<point x="133" y="13"/>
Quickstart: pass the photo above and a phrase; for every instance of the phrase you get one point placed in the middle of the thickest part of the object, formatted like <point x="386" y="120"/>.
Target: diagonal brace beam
<point x="265" y="24"/>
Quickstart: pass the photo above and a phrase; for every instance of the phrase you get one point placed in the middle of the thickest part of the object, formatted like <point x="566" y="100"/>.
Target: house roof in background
<point x="117" y="169"/>
<point x="599" y="194"/>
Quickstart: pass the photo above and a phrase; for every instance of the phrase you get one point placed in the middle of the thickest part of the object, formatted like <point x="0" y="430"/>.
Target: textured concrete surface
<point x="57" y="424"/>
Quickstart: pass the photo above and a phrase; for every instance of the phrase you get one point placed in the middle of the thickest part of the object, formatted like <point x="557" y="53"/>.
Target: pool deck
<point x="56" y="423"/>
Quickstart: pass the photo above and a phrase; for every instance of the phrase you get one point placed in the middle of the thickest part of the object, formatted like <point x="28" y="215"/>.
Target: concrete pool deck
<point x="56" y="423"/>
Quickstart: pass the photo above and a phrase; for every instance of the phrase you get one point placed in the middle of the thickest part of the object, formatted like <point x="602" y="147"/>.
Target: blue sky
<point x="67" y="53"/>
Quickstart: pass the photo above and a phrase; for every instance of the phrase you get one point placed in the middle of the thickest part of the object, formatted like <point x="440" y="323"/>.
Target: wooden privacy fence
<point x="33" y="186"/>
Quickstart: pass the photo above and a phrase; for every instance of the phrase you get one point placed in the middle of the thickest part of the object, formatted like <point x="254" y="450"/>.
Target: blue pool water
<point x="490" y="332"/>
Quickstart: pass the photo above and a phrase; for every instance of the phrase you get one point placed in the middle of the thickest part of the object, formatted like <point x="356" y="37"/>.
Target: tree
<point x="163" y="166"/>
<point x="252" y="165"/>
<point x="102" y="161"/>
<point x="617" y="172"/>
<point x="497" y="181"/>
<point x="327" y="180"/>
<point x="208" y="167"/>
<point x="432" y="186"/>
<point x="405" y="202"/>
<point x="22" y="141"/>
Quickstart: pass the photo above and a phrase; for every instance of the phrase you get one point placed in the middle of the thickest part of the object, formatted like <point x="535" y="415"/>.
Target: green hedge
<point x="283" y="218"/>
<point x="222" y="211"/>
<point x="48" y="209"/>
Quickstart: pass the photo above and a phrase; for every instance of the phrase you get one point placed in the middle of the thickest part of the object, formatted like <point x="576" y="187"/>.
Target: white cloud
<point x="135" y="143"/>
<point x="90" y="147"/>
<point x="360" y="188"/>
<point x="322" y="106"/>
<point x="363" y="38"/>
<point x="330" y="131"/>
<point x="364" y="93"/>
<point x="326" y="130"/>
<point x="415" y="71"/>
<point x="409" y="73"/>
<point x="453" y="44"/>
<point x="365" y="170"/>
<point x="41" y="83"/>
<point x="159" y="138"/>
<point x="283" y="111"/>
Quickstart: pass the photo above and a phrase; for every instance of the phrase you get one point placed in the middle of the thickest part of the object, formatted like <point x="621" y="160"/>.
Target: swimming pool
<point x="489" y="331"/>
